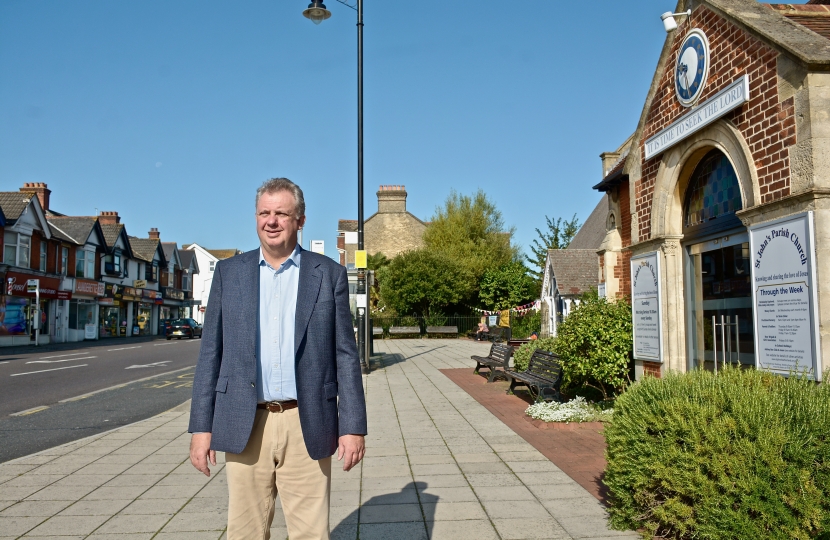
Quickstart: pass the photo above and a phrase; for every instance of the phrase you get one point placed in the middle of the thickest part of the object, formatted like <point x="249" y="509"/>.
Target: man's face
<point x="276" y="221"/>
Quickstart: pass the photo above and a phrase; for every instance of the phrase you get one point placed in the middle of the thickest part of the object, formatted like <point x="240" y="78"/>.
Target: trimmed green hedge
<point x="742" y="454"/>
<point x="521" y="357"/>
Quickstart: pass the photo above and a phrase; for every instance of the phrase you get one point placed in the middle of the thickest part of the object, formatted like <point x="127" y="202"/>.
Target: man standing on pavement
<point x="278" y="349"/>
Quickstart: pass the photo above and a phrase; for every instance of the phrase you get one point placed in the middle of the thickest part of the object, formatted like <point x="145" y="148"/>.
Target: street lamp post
<point x="317" y="13"/>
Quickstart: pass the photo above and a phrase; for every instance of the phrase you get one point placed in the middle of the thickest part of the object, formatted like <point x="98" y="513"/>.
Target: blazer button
<point x="253" y="385"/>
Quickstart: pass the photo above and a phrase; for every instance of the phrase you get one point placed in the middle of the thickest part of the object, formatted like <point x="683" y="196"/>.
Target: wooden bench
<point x="442" y="331"/>
<point x="496" y="334"/>
<point x="377" y="331"/>
<point x="404" y="330"/>
<point x="499" y="357"/>
<point x="544" y="373"/>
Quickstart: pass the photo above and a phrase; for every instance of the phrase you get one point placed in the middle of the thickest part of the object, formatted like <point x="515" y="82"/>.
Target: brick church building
<point x="732" y="151"/>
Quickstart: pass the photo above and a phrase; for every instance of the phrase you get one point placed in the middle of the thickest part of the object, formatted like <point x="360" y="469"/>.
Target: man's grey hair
<point x="275" y="185"/>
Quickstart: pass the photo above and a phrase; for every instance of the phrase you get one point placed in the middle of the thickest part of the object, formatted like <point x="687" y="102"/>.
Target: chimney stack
<point x="39" y="189"/>
<point x="153" y="234"/>
<point x="108" y="218"/>
<point x="391" y="199"/>
<point x="609" y="159"/>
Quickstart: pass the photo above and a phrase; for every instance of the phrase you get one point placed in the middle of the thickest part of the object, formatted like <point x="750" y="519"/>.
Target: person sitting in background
<point x="483" y="330"/>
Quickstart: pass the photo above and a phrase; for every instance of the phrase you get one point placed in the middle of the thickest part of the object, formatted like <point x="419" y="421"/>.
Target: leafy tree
<point x="423" y="282"/>
<point x="376" y="261"/>
<point x="506" y="286"/>
<point x="557" y="236"/>
<point x="469" y="230"/>
<point x="595" y="343"/>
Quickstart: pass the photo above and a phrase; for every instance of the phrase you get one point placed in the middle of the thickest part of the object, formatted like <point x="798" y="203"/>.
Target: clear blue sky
<point x="172" y="113"/>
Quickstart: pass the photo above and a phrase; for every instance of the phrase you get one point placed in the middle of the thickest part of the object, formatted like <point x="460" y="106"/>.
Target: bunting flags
<point x="520" y="310"/>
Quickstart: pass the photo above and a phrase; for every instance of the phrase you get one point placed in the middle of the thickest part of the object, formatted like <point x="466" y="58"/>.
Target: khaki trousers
<point x="275" y="461"/>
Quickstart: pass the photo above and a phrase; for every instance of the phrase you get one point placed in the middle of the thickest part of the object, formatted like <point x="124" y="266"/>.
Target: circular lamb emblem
<point x="692" y="67"/>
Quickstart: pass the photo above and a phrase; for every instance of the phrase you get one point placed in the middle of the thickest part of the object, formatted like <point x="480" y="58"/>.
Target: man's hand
<point x="200" y="452"/>
<point x="352" y="447"/>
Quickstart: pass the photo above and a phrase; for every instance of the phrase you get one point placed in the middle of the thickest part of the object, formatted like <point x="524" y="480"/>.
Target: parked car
<point x="180" y="328"/>
<point x="164" y="325"/>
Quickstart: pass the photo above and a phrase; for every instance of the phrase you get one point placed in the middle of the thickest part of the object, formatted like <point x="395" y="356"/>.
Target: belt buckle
<point x="275" y="403"/>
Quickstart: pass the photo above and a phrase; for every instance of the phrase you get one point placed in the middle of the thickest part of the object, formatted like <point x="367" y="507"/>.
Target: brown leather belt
<point x="277" y="406"/>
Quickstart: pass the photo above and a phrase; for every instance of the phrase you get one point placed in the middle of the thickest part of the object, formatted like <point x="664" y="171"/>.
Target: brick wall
<point x="341" y="244"/>
<point x="34" y="255"/>
<point x="651" y="369"/>
<point x="622" y="271"/>
<point x="51" y="257"/>
<point x="70" y="267"/>
<point x="767" y="124"/>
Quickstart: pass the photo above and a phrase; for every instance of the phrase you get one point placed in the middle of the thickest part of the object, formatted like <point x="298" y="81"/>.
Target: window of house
<point x="90" y="264"/>
<point x="23" y="248"/>
<point x="185" y="283"/>
<point x="10" y="248"/>
<point x="64" y="260"/>
<point x="80" y="263"/>
<point x="212" y="265"/>
<point x="42" y="255"/>
<point x="16" y="248"/>
<point x="112" y="263"/>
<point x="171" y="279"/>
<point x="151" y="271"/>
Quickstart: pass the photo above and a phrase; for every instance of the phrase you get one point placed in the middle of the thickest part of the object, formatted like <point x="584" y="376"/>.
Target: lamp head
<point x="316" y="12"/>
<point x="668" y="21"/>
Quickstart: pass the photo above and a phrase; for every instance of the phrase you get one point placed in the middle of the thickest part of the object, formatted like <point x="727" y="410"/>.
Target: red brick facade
<point x="651" y="369"/>
<point x="622" y="271"/>
<point x="767" y="124"/>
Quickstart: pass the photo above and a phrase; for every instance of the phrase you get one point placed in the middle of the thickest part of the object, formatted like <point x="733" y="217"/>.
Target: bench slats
<point x="544" y="372"/>
<point x="405" y="330"/>
<point x="499" y="357"/>
<point x="443" y="330"/>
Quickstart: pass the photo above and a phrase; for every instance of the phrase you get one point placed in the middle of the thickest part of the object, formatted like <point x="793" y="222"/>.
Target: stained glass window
<point x="713" y="190"/>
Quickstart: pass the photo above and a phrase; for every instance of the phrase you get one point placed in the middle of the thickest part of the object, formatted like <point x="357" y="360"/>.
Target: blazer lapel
<point x="250" y="297"/>
<point x="307" y="291"/>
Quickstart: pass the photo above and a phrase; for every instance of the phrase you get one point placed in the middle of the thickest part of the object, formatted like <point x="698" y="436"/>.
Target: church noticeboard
<point x="645" y="307"/>
<point x="784" y="295"/>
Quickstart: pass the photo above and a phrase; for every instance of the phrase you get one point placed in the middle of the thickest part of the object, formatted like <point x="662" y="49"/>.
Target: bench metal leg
<point x="492" y="376"/>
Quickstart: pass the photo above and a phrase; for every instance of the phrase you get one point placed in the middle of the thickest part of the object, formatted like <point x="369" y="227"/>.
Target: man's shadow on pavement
<point x="411" y="494"/>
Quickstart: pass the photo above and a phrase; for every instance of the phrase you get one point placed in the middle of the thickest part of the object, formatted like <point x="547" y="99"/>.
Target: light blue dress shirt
<point x="275" y="328"/>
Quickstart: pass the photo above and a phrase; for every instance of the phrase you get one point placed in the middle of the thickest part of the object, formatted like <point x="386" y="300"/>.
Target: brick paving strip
<point x="577" y="449"/>
<point x="438" y="466"/>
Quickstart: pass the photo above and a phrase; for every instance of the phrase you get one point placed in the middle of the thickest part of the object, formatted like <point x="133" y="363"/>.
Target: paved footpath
<point x="438" y="466"/>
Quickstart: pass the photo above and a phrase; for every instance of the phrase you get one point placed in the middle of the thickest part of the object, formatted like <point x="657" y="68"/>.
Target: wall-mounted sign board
<point x="646" y="296"/>
<point x="784" y="295"/>
<point x="699" y="117"/>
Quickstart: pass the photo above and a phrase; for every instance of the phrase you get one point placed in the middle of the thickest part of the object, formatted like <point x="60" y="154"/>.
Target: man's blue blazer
<point x="326" y="360"/>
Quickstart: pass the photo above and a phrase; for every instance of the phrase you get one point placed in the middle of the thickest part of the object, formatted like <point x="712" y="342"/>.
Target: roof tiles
<point x="576" y="270"/>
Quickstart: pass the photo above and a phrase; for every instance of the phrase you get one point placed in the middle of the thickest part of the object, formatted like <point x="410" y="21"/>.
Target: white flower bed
<point x="576" y="410"/>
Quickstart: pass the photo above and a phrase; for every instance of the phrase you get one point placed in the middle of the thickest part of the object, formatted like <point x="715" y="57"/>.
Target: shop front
<point x="172" y="307"/>
<point x="112" y="312"/>
<point x="148" y="310"/>
<point x="716" y="225"/>
<point x="84" y="310"/>
<point x="19" y="307"/>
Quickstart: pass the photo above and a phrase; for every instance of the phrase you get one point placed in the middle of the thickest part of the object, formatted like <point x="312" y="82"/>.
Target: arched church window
<point x="713" y="192"/>
<point x="612" y="222"/>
